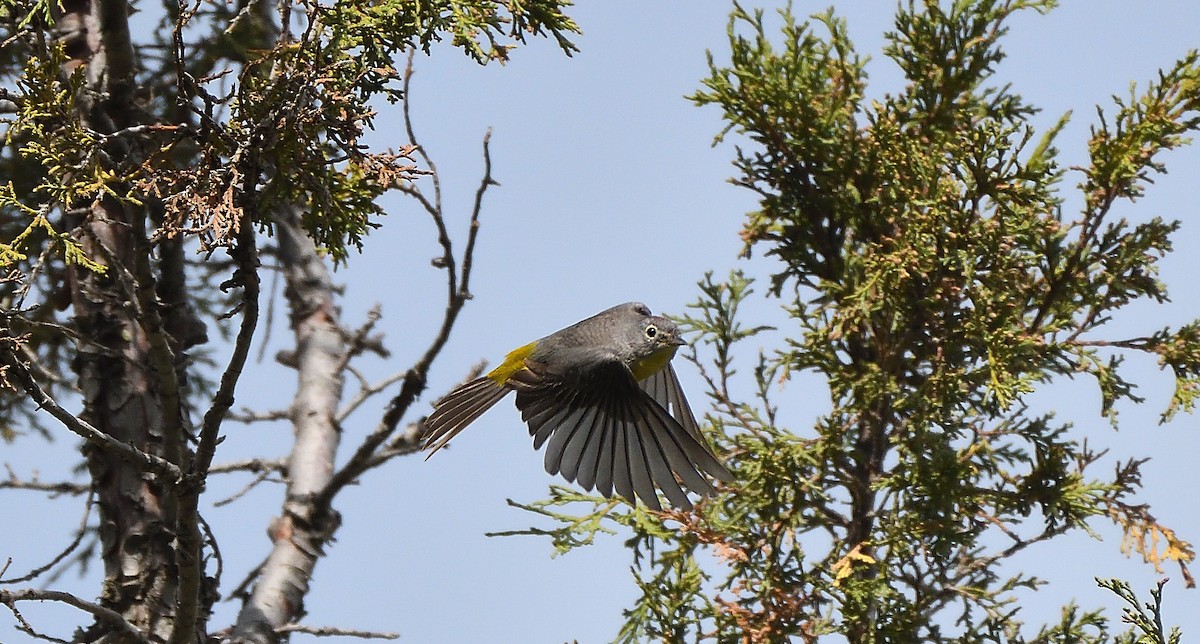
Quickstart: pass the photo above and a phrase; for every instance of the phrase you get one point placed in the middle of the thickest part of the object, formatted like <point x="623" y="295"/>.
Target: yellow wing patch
<point x="513" y="362"/>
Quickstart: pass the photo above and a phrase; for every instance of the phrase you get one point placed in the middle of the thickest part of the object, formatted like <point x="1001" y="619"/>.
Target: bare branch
<point x="262" y="476"/>
<point x="249" y="416"/>
<point x="247" y="276"/>
<point x="366" y="392"/>
<point x="24" y="626"/>
<point x="242" y="590"/>
<point x="300" y="532"/>
<point x="409" y="441"/>
<point x="11" y="597"/>
<point x="457" y="294"/>
<point x="190" y="561"/>
<point x="434" y="208"/>
<point x="333" y="631"/>
<point x="250" y="465"/>
<point x="402" y="444"/>
<point x="36" y="485"/>
<point x="211" y="539"/>
<point x="473" y="234"/>
<point x="59" y="329"/>
<point x="269" y="317"/>
<point x="15" y="370"/>
<point x="79" y="534"/>
<point x="55" y="489"/>
<point x="362" y="341"/>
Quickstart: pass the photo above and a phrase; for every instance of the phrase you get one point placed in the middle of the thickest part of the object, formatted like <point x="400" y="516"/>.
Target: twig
<point x="242" y="590"/>
<point x="27" y="628"/>
<point x="269" y="317"/>
<point x="248" y="416"/>
<point x="11" y="597"/>
<point x="366" y="392"/>
<point x="79" y="534"/>
<point x="190" y="543"/>
<point x="74" y="335"/>
<point x="216" y="550"/>
<point x="361" y="340"/>
<point x="484" y="184"/>
<point x="435" y="207"/>
<point x="262" y="476"/>
<point x="247" y="276"/>
<point x="250" y="465"/>
<point x="16" y="371"/>
<point x="409" y="441"/>
<point x="333" y="631"/>
<point x="402" y="444"/>
<point x="457" y="295"/>
<point x="55" y="489"/>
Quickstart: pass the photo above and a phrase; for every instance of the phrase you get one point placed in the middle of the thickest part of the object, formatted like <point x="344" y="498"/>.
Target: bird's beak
<point x="677" y="341"/>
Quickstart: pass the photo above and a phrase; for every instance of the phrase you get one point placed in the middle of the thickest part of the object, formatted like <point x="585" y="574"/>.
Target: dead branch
<point x="402" y="444"/>
<point x="409" y="441"/>
<point x="255" y="465"/>
<point x="80" y="532"/>
<point x="17" y="372"/>
<point x="211" y="539"/>
<point x="300" y="532"/>
<point x="191" y="563"/>
<point x="260" y="478"/>
<point x="333" y="631"/>
<point x="11" y="597"/>
<point x="248" y="278"/>
<point x="366" y="392"/>
<point x="361" y="340"/>
<point x="36" y="485"/>
<point x="248" y="416"/>
<point x="457" y="295"/>
<point x="24" y="626"/>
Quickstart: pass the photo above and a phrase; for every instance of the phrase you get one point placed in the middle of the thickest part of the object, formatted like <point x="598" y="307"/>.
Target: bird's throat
<point x="652" y="363"/>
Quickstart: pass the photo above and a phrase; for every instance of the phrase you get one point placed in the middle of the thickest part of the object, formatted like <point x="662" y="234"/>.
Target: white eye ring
<point x="651" y="331"/>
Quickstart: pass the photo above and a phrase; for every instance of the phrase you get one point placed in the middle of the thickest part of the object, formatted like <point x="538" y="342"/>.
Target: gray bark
<point x="299" y="534"/>
<point x="129" y="372"/>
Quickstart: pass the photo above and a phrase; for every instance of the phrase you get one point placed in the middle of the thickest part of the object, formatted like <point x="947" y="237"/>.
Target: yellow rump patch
<point x="513" y="362"/>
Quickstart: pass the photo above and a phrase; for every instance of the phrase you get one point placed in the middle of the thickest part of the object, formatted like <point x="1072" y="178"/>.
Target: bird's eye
<point x="651" y="332"/>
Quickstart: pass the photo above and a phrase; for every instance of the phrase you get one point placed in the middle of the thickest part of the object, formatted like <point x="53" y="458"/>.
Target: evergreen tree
<point x="135" y="136"/>
<point x="932" y="273"/>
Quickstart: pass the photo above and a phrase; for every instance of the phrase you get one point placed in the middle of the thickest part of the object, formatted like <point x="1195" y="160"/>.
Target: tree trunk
<point x="121" y="352"/>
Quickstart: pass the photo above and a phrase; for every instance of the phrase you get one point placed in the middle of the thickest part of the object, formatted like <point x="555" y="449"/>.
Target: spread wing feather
<point x="602" y="470"/>
<point x="603" y="430"/>
<point x="656" y="440"/>
<point x="664" y="387"/>
<point x="572" y="454"/>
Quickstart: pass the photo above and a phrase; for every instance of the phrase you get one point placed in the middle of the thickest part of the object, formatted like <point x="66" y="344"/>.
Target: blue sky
<point x="611" y="192"/>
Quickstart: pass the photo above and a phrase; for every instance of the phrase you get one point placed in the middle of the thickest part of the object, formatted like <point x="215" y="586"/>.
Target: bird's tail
<point x="458" y="409"/>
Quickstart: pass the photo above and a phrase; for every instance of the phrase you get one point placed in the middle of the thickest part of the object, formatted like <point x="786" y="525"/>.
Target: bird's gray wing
<point x="663" y="386"/>
<point x="601" y="429"/>
<point x="458" y="409"/>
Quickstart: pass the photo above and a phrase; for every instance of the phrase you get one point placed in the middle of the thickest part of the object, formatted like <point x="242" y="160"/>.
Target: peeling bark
<point x="137" y="510"/>
<point x="299" y="535"/>
<point x="121" y="379"/>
